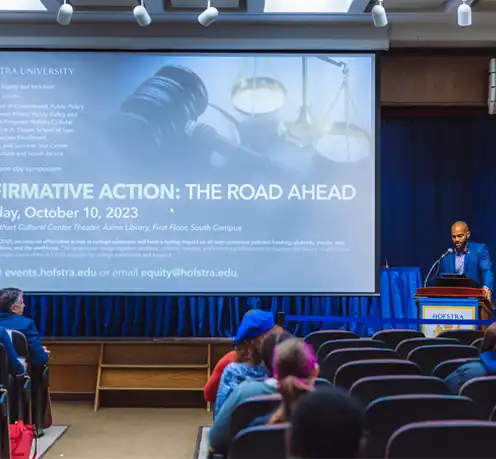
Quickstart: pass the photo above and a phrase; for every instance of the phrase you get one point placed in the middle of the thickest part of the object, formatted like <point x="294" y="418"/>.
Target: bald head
<point x="460" y="235"/>
<point x="459" y="226"/>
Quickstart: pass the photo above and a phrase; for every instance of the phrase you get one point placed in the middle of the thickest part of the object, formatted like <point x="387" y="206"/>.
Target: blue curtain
<point x="434" y="170"/>
<point x="157" y="316"/>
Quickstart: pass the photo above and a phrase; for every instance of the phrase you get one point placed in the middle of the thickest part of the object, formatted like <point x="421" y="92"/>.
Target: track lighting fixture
<point x="464" y="14"/>
<point x="379" y="15"/>
<point x="209" y="16"/>
<point x="141" y="15"/>
<point x="64" y="15"/>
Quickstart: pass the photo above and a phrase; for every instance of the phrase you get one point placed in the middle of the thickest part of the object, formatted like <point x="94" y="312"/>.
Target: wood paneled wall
<point x="430" y="79"/>
<point x="169" y="372"/>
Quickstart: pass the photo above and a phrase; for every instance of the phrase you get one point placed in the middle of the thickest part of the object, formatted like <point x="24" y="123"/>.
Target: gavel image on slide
<point x="161" y="118"/>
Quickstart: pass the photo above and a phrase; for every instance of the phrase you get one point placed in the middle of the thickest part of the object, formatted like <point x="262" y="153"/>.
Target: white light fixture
<point x="209" y="16"/>
<point x="141" y="15"/>
<point x="64" y="15"/>
<point x="379" y="15"/>
<point x="464" y="14"/>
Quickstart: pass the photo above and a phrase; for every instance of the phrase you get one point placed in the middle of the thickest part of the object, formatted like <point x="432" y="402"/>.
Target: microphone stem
<point x="429" y="273"/>
<point x="436" y="263"/>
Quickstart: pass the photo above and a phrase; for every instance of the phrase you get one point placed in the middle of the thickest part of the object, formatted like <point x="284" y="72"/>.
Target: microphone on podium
<point x="436" y="264"/>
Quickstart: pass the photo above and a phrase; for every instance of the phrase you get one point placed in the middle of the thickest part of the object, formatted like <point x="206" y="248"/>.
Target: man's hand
<point x="487" y="293"/>
<point x="46" y="350"/>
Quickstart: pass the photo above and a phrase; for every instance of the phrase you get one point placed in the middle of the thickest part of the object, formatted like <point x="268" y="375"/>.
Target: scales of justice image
<point x="173" y="111"/>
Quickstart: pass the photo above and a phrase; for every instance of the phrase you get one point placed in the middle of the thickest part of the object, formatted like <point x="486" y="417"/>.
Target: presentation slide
<point x="187" y="173"/>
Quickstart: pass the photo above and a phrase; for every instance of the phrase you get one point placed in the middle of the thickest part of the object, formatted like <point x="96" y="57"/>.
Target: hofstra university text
<point x="37" y="71"/>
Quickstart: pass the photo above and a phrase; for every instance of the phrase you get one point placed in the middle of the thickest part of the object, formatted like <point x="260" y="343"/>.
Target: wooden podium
<point x="455" y="303"/>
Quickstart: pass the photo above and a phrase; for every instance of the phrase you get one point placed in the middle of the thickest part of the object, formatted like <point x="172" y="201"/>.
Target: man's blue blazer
<point x="12" y="321"/>
<point x="478" y="265"/>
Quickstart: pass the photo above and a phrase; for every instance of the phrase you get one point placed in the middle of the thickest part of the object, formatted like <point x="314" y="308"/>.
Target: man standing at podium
<point x="469" y="258"/>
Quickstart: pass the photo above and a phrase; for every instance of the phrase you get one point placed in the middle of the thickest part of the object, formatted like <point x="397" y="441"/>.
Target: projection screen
<point x="188" y="173"/>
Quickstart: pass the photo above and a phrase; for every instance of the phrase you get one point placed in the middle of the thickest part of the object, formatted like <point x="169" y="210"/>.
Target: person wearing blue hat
<point x="253" y="325"/>
<point x="238" y="354"/>
<point x="251" y="332"/>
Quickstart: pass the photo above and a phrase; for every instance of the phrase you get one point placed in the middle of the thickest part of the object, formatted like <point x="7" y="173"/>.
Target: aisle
<point x="126" y="433"/>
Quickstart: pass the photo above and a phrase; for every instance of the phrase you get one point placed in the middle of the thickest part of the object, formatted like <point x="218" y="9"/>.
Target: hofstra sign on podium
<point x="448" y="309"/>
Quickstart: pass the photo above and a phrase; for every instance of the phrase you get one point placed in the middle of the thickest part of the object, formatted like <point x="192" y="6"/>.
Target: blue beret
<point x="254" y="324"/>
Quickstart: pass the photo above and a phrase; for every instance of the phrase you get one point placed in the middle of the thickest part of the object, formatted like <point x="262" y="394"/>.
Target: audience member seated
<point x="486" y="365"/>
<point x="15" y="366"/>
<point x="237" y="355"/>
<point x="295" y="368"/>
<point x="326" y="423"/>
<point x="220" y="433"/>
<point x="11" y="318"/>
<point x="251" y="332"/>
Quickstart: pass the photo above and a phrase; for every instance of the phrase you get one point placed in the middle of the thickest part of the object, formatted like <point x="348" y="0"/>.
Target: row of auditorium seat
<point x="409" y="413"/>
<point x="22" y="397"/>
<point x="392" y="337"/>
<point x="384" y="419"/>
<point x="426" y="359"/>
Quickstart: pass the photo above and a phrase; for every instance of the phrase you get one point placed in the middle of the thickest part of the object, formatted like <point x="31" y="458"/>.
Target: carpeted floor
<point x="125" y="433"/>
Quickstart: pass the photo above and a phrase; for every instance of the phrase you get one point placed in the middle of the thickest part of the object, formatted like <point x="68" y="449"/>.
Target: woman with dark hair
<point x="484" y="366"/>
<point x="220" y="432"/>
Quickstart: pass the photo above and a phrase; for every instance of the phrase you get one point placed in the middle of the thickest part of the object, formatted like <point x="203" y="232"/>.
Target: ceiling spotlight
<point x="379" y="15"/>
<point x="141" y="15"/>
<point x="64" y="15"/>
<point x="209" y="16"/>
<point x="464" y="14"/>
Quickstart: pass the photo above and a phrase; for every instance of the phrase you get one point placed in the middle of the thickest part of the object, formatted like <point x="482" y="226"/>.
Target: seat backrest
<point x="393" y="337"/>
<point x="466" y="337"/>
<point x="316" y="339"/>
<point x="341" y="356"/>
<point x="477" y="343"/>
<point x="264" y="442"/>
<point x="332" y="345"/>
<point x="4" y="368"/>
<point x="374" y="387"/>
<point x="385" y="415"/>
<point x="351" y="372"/>
<point x="427" y="357"/>
<point x="321" y="383"/>
<point x="4" y="424"/>
<point x="405" y="347"/>
<point x="251" y="409"/>
<point x="482" y="391"/>
<point x="444" y="369"/>
<point x="443" y="439"/>
<point x="20" y="344"/>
